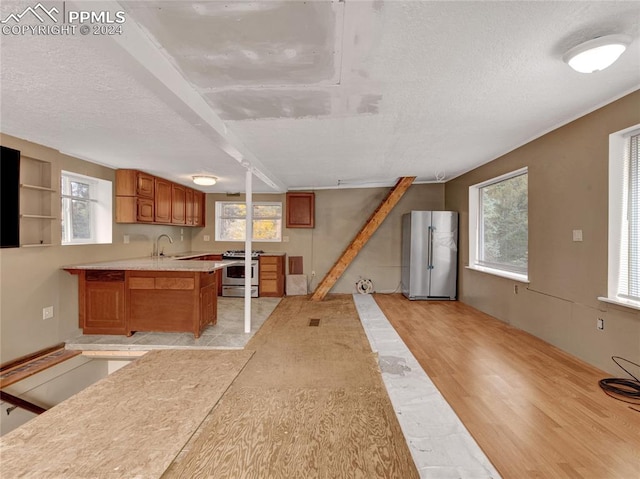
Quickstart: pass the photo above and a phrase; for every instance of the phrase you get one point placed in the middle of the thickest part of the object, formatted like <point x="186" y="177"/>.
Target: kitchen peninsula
<point x="163" y="294"/>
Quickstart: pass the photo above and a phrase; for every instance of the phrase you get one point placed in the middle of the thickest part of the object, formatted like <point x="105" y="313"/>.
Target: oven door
<point x="234" y="275"/>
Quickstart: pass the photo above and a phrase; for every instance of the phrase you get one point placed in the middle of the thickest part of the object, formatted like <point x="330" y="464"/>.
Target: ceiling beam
<point x="370" y="227"/>
<point x="167" y="82"/>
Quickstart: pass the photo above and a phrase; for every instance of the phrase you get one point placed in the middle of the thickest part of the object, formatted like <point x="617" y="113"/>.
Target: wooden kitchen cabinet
<point x="102" y="306"/>
<point x="144" y="198"/>
<point x="218" y="273"/>
<point x="171" y="301"/>
<point x="134" y="197"/>
<point x="178" y="207"/>
<point x="271" y="275"/>
<point x="198" y="208"/>
<point x="300" y="210"/>
<point x="123" y="302"/>
<point x="145" y="185"/>
<point x="144" y="210"/>
<point x="208" y="305"/>
<point x="162" y="201"/>
<point x="188" y="207"/>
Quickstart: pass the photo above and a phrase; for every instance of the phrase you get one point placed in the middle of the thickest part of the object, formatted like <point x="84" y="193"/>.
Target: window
<point x="85" y="210"/>
<point x="499" y="225"/>
<point x="624" y="218"/>
<point x="231" y="221"/>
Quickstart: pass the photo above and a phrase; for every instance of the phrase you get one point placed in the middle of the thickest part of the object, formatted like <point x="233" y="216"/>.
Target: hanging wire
<point x="623" y="389"/>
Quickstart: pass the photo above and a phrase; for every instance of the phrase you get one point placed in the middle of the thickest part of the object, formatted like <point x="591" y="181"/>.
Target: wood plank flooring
<point x="536" y="411"/>
<point x="309" y="404"/>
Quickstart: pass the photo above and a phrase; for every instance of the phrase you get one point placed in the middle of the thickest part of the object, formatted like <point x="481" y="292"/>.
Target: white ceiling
<point x="309" y="94"/>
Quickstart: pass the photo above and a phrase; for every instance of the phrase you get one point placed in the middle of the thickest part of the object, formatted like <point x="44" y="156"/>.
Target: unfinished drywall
<point x="568" y="189"/>
<point x="339" y="215"/>
<point x="32" y="278"/>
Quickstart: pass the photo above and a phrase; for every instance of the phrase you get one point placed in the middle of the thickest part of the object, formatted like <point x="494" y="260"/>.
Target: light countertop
<point x="162" y="263"/>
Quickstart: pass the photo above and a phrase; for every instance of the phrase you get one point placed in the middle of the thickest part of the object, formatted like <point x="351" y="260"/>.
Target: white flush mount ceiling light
<point x="597" y="54"/>
<point x="203" y="180"/>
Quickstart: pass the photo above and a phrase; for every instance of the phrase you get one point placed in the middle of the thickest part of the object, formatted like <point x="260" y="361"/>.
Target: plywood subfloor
<point x="131" y="424"/>
<point x="536" y="411"/>
<point x="309" y="404"/>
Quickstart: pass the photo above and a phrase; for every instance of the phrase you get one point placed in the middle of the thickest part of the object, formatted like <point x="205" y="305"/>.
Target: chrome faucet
<point x="156" y="250"/>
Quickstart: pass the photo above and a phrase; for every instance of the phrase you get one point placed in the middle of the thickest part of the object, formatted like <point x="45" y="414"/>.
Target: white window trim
<point x="219" y="205"/>
<point x="102" y="212"/>
<point x="617" y="144"/>
<point x="474" y="224"/>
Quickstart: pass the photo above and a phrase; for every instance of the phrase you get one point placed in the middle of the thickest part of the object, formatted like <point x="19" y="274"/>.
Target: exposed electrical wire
<point x="623" y="389"/>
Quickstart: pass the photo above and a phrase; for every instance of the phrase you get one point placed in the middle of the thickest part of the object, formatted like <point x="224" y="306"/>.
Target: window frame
<point x="100" y="202"/>
<point x="619" y="199"/>
<point x="476" y="231"/>
<point x="218" y="217"/>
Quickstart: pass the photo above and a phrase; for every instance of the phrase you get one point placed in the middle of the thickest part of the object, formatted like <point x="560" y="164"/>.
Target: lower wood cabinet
<point x="102" y="302"/>
<point x="218" y="273"/>
<point x="123" y="302"/>
<point x="271" y="274"/>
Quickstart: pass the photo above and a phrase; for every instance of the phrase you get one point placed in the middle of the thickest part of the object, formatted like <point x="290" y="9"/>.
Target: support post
<point x="247" y="251"/>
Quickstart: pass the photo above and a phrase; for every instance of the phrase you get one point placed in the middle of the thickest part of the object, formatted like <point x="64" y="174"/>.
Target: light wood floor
<point x="536" y="411"/>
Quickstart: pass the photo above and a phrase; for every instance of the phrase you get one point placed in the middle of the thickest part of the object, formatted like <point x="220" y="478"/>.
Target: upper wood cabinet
<point x="144" y="198"/>
<point x="300" y="210"/>
<point x="145" y="185"/>
<point x="178" y="207"/>
<point x="188" y="207"/>
<point x="198" y="208"/>
<point x="162" y="201"/>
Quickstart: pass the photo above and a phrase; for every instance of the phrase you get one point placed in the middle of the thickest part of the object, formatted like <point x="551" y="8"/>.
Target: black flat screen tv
<point x="9" y="197"/>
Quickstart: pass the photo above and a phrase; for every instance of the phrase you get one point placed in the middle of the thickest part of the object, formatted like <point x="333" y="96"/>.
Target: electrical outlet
<point x="125" y="239"/>
<point x="313" y="273"/>
<point x="285" y="239"/>
<point x="600" y="324"/>
<point x="577" y="235"/>
<point x="206" y="238"/>
<point x="47" y="313"/>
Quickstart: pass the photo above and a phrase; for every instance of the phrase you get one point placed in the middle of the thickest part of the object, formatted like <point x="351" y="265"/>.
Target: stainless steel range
<point x="233" y="276"/>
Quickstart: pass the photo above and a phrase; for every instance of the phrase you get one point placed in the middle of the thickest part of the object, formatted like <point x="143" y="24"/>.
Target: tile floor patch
<point x="228" y="333"/>
<point x="440" y="445"/>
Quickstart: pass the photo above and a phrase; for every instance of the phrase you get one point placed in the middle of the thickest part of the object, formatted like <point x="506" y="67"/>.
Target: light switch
<point x="577" y="235"/>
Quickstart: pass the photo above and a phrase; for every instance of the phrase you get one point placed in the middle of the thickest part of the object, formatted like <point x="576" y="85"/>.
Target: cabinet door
<point x="104" y="303"/>
<point x="198" y="208"/>
<point x="178" y="194"/>
<point x="162" y="211"/>
<point x="271" y="276"/>
<point x="217" y="257"/>
<point x="144" y="184"/>
<point x="300" y="210"/>
<point x="189" y="207"/>
<point x="208" y="305"/>
<point x="125" y="182"/>
<point x="145" y="210"/>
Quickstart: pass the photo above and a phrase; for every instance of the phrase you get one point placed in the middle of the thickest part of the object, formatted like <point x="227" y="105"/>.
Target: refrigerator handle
<point x="430" y="255"/>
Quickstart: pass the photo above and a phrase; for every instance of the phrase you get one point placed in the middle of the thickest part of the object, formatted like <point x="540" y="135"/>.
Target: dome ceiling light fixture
<point x="204" y="180"/>
<point x="597" y="54"/>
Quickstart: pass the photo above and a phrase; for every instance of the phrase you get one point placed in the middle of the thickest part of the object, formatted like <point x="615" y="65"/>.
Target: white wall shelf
<point x="37" y="199"/>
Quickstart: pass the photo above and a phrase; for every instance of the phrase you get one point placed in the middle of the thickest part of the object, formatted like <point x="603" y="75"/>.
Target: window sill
<point x="627" y="303"/>
<point x="503" y="274"/>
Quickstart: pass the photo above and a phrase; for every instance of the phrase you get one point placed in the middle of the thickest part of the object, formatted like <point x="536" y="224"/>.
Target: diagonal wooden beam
<point x="370" y="227"/>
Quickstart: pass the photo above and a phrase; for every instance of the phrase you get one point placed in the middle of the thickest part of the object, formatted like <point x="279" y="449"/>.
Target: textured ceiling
<point x="310" y="94"/>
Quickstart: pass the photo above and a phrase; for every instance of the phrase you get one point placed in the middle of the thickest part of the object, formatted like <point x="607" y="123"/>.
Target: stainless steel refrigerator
<point x="429" y="254"/>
